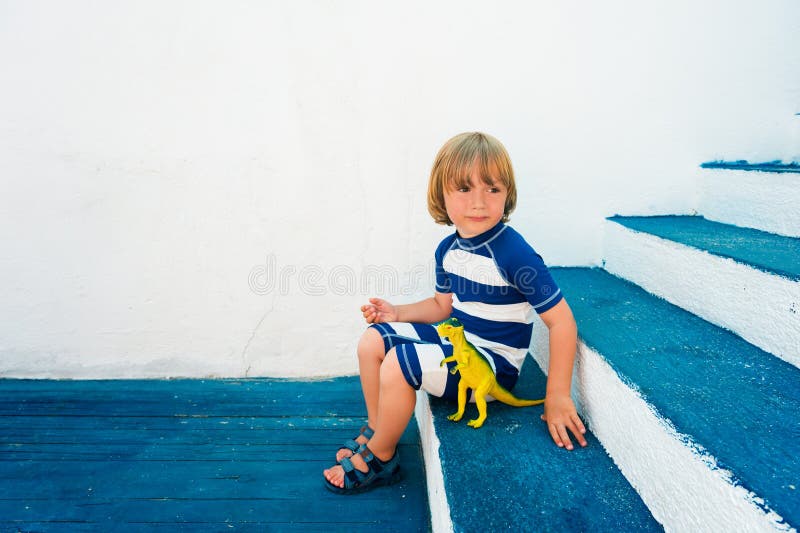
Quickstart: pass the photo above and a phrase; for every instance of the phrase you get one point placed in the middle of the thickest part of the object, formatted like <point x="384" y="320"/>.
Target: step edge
<point x="778" y="348"/>
<point x="775" y="167"/>
<point x="740" y="198"/>
<point x="767" y="270"/>
<point x="439" y="506"/>
<point x="589" y="365"/>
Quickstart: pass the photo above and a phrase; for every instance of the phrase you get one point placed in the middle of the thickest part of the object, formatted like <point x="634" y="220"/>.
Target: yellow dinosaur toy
<point x="476" y="374"/>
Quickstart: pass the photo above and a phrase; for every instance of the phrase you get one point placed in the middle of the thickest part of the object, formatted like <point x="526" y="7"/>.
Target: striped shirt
<point x="498" y="283"/>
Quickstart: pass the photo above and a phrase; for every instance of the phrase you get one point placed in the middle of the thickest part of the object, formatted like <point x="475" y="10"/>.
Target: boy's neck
<point x="482" y="236"/>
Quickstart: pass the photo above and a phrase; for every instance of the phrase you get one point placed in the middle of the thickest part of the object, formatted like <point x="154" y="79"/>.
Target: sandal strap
<point x="369" y="458"/>
<point x="375" y="465"/>
<point x="352" y="444"/>
<point x="355" y="477"/>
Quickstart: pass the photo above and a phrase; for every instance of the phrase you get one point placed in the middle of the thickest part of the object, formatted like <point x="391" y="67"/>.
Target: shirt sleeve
<point x="443" y="283"/>
<point x="526" y="271"/>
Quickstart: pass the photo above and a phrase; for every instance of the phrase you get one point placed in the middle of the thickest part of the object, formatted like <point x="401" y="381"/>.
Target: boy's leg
<point x="395" y="406"/>
<point x="397" y="403"/>
<point x="370" y="356"/>
<point x="375" y="344"/>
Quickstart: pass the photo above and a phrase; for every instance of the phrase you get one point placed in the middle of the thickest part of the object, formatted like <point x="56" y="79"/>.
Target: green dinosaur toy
<point x="476" y="374"/>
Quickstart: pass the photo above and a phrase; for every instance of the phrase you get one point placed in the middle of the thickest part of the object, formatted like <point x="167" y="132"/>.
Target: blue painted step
<point x="509" y="475"/>
<point x="764" y="251"/>
<point x="770" y="166"/>
<point x="172" y="455"/>
<point x="737" y="401"/>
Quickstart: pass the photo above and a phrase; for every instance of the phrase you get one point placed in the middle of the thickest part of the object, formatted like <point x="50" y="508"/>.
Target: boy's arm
<point x="559" y="409"/>
<point x="427" y="311"/>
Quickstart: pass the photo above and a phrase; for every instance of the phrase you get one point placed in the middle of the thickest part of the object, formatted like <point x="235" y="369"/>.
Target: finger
<point x="581" y="430"/>
<point x="578" y="423"/>
<point x="554" y="434"/>
<point x="543" y="417"/>
<point x="562" y="432"/>
<point x="576" y="432"/>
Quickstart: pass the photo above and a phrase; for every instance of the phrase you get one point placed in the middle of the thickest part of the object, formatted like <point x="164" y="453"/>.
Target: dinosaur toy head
<point x="449" y="327"/>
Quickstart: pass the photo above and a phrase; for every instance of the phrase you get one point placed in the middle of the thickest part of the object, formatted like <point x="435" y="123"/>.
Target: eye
<point x="463" y="189"/>
<point x="494" y="189"/>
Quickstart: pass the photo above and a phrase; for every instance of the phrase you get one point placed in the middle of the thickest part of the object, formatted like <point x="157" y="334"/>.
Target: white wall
<point x="154" y="155"/>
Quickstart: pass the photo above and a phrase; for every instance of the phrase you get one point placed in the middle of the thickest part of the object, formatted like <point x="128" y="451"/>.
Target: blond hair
<point x="453" y="166"/>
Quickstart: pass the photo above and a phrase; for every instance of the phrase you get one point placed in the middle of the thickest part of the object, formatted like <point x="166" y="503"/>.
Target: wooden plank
<point x="27" y="388"/>
<point x="75" y="395"/>
<point x="204" y="423"/>
<point x="284" y="449"/>
<point x="213" y="510"/>
<point x="67" y="442"/>
<point x="201" y="454"/>
<point x="239" y="527"/>
<point x="180" y="479"/>
<point x="348" y="407"/>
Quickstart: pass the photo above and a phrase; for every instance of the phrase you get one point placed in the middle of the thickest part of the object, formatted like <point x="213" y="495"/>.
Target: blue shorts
<point x="420" y="351"/>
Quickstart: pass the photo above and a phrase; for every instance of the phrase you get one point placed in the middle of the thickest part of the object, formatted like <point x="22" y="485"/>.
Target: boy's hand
<point x="378" y="310"/>
<point x="561" y="415"/>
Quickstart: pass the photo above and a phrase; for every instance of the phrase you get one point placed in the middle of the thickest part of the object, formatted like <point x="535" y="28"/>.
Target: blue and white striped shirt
<point x="498" y="282"/>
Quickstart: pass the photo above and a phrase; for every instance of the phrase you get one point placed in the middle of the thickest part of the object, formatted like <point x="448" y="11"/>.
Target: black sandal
<point x="380" y="473"/>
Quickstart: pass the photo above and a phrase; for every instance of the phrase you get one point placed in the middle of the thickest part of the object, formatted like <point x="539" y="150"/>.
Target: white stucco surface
<point x="762" y="308"/>
<point x="213" y="188"/>
<point x="763" y="200"/>
<point x="676" y="478"/>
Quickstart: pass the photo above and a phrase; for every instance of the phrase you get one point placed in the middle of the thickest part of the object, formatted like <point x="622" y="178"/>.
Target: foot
<point x="344" y="452"/>
<point x="335" y="474"/>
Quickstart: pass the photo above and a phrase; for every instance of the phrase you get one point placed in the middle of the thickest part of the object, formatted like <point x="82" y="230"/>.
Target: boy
<point x="489" y="278"/>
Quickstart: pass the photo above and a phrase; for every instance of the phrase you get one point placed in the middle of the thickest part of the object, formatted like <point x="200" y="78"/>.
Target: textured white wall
<point x="154" y="157"/>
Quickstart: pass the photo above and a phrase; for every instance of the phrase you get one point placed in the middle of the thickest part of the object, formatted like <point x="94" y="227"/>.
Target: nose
<point x="478" y="198"/>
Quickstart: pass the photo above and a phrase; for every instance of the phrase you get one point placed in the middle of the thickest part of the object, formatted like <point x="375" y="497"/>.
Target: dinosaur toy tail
<point x="502" y="395"/>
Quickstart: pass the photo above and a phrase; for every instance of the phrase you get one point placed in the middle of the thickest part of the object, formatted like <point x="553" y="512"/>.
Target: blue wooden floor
<point x="190" y="455"/>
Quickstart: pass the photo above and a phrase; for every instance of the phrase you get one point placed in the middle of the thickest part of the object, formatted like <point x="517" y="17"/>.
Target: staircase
<point x="687" y="374"/>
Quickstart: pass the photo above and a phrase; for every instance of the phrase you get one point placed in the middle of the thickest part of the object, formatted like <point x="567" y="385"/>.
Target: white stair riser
<point x="437" y="496"/>
<point x="762" y="308"/>
<point x="762" y="200"/>
<point x="679" y="483"/>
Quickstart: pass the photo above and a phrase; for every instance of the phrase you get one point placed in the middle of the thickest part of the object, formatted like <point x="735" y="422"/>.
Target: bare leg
<point x="370" y="356"/>
<point x="395" y="407"/>
<point x="395" y="411"/>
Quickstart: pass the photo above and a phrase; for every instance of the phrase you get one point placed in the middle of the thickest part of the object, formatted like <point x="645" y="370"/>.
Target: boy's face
<point x="477" y="207"/>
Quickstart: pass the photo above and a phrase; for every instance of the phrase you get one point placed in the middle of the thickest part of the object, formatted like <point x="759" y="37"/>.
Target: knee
<point x="371" y="346"/>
